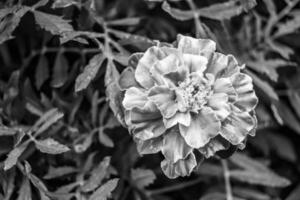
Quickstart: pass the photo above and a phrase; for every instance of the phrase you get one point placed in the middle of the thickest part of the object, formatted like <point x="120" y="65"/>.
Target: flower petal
<point x="223" y="85"/>
<point x="195" y="63"/>
<point x="195" y="46"/>
<point x="243" y="85"/>
<point x="164" y="99"/>
<point x="216" y="144"/>
<point x="150" y="146"/>
<point x="142" y="72"/>
<point x="203" y="127"/>
<point x="222" y="65"/>
<point x="237" y="126"/>
<point x="134" y="98"/>
<point x="174" y="147"/>
<point x="127" y="79"/>
<point x="183" y="118"/>
<point x="219" y="103"/>
<point x="183" y="167"/>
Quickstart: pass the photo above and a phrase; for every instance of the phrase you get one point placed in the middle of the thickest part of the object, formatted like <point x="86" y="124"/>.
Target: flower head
<point x="187" y="98"/>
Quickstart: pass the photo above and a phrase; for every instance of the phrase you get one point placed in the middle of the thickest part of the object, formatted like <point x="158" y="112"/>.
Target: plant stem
<point x="172" y="188"/>
<point x="227" y="180"/>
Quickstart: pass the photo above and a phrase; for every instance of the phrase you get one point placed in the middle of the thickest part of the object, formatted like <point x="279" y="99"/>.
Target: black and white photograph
<point x="149" y="99"/>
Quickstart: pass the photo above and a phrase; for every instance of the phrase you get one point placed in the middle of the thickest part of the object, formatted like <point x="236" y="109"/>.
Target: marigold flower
<point x="186" y="98"/>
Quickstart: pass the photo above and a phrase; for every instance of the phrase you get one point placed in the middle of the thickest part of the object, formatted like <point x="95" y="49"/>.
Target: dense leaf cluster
<point x="60" y="133"/>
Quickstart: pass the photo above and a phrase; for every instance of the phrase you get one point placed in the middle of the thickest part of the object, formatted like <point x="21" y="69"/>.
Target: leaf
<point x="105" y="190"/>
<point x="97" y="176"/>
<point x="264" y="86"/>
<point x="6" y="131"/>
<point x="51" y="146"/>
<point x="218" y="11"/>
<point x="9" y="20"/>
<point x="89" y="73"/>
<point x="25" y="190"/>
<point x="142" y="177"/>
<point x="59" y="171"/>
<point x="104" y="139"/>
<point x="131" y="21"/>
<point x="13" y="156"/>
<point x="113" y="91"/>
<point x="41" y="72"/>
<point x="291" y="26"/>
<point x="294" y="99"/>
<point x="268" y="67"/>
<point x="64" y="3"/>
<point x="253" y="172"/>
<point x="247" y="193"/>
<point x="60" y="71"/>
<point x="52" y="23"/>
<point x="287" y="115"/>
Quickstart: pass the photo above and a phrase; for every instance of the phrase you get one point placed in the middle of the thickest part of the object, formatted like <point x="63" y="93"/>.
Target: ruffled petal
<point x="223" y="85"/>
<point x="237" y="126"/>
<point x="164" y="99"/>
<point x="174" y="147"/>
<point x="127" y="79"/>
<point x="183" y="167"/>
<point x="219" y="103"/>
<point x="145" y="123"/>
<point x="135" y="98"/>
<point x="216" y="144"/>
<point x="243" y="85"/>
<point x="179" y="117"/>
<point x="195" y="46"/>
<point x="203" y="127"/>
<point x="221" y="65"/>
<point x="150" y="146"/>
<point x="195" y="63"/>
<point x="142" y="72"/>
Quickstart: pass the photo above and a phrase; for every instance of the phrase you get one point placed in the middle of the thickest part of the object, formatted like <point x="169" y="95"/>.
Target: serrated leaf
<point x="9" y="20"/>
<point x="268" y="67"/>
<point x="130" y="21"/>
<point x="52" y="23"/>
<point x="41" y="72"/>
<point x="13" y="156"/>
<point x="51" y="146"/>
<point x="288" y="117"/>
<point x="97" y="176"/>
<point x="142" y="177"/>
<point x="49" y="121"/>
<point x="59" y="171"/>
<point x="105" y="190"/>
<point x="60" y="71"/>
<point x="113" y="91"/>
<point x="258" y="178"/>
<point x="104" y="139"/>
<point x="25" y="190"/>
<point x="89" y="73"/>
<point x="64" y="3"/>
<point x="264" y="86"/>
<point x="218" y="11"/>
<point x="6" y="131"/>
<point x="254" y="172"/>
<point x="291" y="26"/>
<point x="45" y="117"/>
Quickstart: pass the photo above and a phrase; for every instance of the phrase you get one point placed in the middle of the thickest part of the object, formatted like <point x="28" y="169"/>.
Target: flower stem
<point x="227" y="180"/>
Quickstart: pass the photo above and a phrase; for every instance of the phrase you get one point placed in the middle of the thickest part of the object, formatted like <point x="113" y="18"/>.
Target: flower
<point x="186" y="98"/>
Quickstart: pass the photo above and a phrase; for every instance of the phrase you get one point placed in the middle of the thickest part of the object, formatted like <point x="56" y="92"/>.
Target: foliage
<point x="60" y="136"/>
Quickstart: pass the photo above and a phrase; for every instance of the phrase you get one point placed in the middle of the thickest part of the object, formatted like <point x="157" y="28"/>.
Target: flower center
<point x="193" y="93"/>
